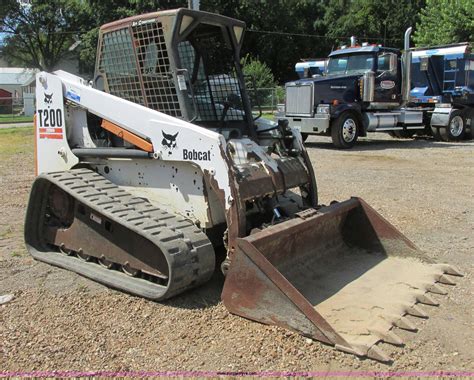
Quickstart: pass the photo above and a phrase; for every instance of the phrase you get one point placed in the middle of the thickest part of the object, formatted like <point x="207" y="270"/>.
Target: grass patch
<point x="268" y="115"/>
<point x="5" y="119"/>
<point x="265" y="115"/>
<point x="16" y="140"/>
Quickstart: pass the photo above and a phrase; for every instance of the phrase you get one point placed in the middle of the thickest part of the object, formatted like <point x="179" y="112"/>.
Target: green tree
<point x="374" y="21"/>
<point x="100" y="12"/>
<point x="257" y="72"/>
<point x="40" y="34"/>
<point x="282" y="32"/>
<point x="273" y="27"/>
<point x="258" y="76"/>
<point x="444" y="22"/>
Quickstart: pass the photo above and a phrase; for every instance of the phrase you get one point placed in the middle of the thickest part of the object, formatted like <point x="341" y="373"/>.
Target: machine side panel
<point x="179" y="187"/>
<point x="52" y="149"/>
<point x="172" y="139"/>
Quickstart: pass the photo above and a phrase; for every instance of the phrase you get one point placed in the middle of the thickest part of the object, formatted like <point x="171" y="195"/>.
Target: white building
<point x="17" y="80"/>
<point x="17" y="89"/>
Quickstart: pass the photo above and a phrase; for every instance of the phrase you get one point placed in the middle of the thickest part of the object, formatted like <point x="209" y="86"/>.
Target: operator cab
<point x="183" y="63"/>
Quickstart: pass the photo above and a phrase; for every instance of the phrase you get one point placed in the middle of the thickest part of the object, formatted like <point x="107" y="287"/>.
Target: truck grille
<point x="299" y="99"/>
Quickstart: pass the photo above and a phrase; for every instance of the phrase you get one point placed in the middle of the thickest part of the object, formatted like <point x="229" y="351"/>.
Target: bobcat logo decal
<point x="169" y="141"/>
<point x="48" y="98"/>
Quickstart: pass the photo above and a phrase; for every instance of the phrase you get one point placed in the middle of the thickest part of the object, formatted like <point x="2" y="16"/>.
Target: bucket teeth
<point x="445" y="280"/>
<point x="377" y="353"/>
<point x="324" y="288"/>
<point x="427" y="300"/>
<point x="415" y="311"/>
<point x="449" y="269"/>
<point x="435" y="289"/>
<point x="405" y="324"/>
<point x="452" y="271"/>
<point x="355" y="350"/>
<point x="388" y="336"/>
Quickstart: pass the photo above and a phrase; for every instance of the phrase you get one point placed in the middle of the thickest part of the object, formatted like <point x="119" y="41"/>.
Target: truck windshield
<point x="350" y="64"/>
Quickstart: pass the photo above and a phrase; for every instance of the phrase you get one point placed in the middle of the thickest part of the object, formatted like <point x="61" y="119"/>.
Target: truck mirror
<point x="393" y="62"/>
<point x="387" y="62"/>
<point x="424" y="64"/>
<point x="469" y="65"/>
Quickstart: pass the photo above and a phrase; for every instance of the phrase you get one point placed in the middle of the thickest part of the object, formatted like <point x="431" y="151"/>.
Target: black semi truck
<point x="371" y="88"/>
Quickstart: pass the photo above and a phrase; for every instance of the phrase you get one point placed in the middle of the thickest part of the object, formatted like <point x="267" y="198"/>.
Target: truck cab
<point x="385" y="63"/>
<point x="360" y="92"/>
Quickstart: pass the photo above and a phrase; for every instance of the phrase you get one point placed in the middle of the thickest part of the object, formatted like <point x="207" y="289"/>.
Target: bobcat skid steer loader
<point x="145" y="171"/>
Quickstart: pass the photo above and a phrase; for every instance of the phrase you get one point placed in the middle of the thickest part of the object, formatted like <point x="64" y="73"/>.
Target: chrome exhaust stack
<point x="406" y="78"/>
<point x="406" y="44"/>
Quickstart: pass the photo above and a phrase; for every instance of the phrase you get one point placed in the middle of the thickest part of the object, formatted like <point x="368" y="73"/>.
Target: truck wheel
<point x="456" y="128"/>
<point x="404" y="134"/>
<point x="304" y="136"/>
<point x="436" y="134"/>
<point x="469" y="118"/>
<point x="345" y="130"/>
<point x="468" y="135"/>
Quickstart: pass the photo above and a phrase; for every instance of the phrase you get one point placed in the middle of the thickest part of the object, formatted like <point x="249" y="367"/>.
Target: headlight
<point x="323" y="109"/>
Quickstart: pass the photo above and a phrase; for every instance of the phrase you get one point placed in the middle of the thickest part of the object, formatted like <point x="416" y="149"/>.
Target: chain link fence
<point x="266" y="98"/>
<point x="11" y="106"/>
<point x="22" y="108"/>
<point x="16" y="109"/>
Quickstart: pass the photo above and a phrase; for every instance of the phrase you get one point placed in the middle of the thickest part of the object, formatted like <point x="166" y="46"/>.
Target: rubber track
<point x="187" y="249"/>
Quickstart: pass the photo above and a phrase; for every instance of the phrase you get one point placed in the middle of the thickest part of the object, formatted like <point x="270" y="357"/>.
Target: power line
<point x="319" y="36"/>
<point x="251" y="31"/>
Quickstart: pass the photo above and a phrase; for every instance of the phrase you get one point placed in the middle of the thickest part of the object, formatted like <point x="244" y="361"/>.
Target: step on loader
<point x="147" y="171"/>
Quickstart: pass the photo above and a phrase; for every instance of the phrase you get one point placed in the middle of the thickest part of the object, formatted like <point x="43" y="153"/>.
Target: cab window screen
<point x="209" y="59"/>
<point x="154" y="64"/>
<point x="118" y="63"/>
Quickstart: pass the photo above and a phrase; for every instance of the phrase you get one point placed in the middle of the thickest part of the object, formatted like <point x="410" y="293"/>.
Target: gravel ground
<point x="61" y="321"/>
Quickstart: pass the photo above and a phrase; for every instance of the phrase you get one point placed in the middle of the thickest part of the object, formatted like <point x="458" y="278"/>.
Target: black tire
<point x="392" y="133"/>
<point x="456" y="127"/>
<point x="304" y="136"/>
<point x="404" y="134"/>
<point x="345" y="131"/>
<point x="468" y="134"/>
<point x="469" y="117"/>
<point x="436" y="134"/>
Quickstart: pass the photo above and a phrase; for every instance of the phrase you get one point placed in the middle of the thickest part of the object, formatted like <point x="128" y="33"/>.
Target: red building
<point x="6" y="102"/>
